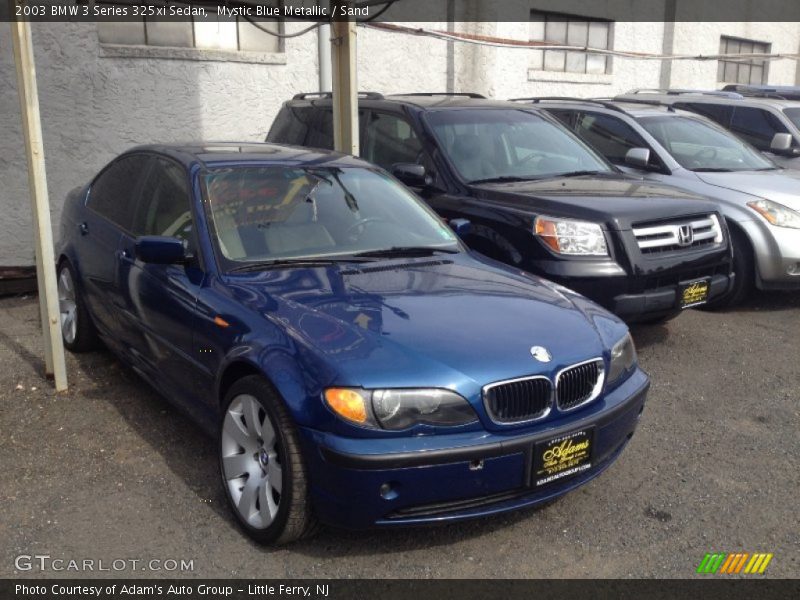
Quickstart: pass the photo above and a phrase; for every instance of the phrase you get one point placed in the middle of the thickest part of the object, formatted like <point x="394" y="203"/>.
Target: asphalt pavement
<point x="110" y="471"/>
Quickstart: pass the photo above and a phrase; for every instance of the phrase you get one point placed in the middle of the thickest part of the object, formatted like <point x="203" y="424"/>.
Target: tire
<point x="77" y="329"/>
<point x="263" y="473"/>
<point x="743" y="267"/>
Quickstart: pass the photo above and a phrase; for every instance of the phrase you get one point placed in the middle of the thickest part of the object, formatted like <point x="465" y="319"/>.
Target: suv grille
<point x="678" y="234"/>
<point x="519" y="399"/>
<point x="580" y="384"/>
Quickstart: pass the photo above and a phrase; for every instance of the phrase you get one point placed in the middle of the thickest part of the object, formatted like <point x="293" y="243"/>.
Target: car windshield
<point x="509" y="144"/>
<point x="263" y="214"/>
<point x="699" y="146"/>
<point x="794" y="115"/>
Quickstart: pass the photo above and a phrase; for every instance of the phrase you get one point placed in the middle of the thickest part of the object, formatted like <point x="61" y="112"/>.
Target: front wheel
<point x="262" y="469"/>
<point x="744" y="268"/>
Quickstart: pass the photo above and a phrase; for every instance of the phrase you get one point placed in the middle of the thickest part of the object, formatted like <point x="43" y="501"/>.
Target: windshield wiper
<point x="713" y="170"/>
<point x="293" y="262"/>
<point x="502" y="179"/>
<point x="405" y="251"/>
<point x="580" y="173"/>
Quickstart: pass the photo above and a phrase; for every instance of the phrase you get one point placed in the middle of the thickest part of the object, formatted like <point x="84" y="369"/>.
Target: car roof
<point x="415" y="100"/>
<point x="216" y="153"/>
<point x="631" y="108"/>
<point x="730" y="99"/>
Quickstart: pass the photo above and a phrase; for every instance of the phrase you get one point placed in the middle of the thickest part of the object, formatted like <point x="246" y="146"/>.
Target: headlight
<point x="623" y="358"/>
<point x="777" y="214"/>
<point x="400" y="408"/>
<point x="571" y="237"/>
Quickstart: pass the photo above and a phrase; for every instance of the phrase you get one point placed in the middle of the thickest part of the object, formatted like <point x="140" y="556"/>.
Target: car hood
<point x="450" y="321"/>
<point x="781" y="186"/>
<point x="616" y="200"/>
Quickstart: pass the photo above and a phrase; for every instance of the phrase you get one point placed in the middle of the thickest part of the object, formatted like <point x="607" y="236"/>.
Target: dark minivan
<point x="537" y="197"/>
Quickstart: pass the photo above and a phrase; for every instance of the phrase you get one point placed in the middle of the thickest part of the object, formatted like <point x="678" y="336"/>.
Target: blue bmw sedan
<point x="355" y="363"/>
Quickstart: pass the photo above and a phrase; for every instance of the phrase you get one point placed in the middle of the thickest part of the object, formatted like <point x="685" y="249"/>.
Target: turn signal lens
<point x="575" y="238"/>
<point x="777" y="214"/>
<point x="348" y="404"/>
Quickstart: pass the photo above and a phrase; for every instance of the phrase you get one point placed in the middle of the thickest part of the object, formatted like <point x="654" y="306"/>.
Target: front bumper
<point x="442" y="478"/>
<point x="777" y="255"/>
<point x="645" y="296"/>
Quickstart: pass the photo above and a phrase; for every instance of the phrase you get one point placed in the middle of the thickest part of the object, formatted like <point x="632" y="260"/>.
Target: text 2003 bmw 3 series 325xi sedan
<point x="355" y="362"/>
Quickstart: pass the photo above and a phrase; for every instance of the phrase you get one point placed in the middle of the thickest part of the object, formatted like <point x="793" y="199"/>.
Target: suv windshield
<point x="263" y="214"/>
<point x="508" y="144"/>
<point x="794" y="115"/>
<point x="699" y="146"/>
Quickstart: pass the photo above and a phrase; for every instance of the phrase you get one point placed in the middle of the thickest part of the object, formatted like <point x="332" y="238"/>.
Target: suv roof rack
<point x="537" y="99"/>
<point x="763" y="91"/>
<point x="651" y="102"/>
<point x="307" y="95"/>
<point x="680" y="91"/>
<point x="464" y="94"/>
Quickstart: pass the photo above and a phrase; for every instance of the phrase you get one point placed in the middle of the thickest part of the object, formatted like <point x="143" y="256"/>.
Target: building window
<point x="742" y="70"/>
<point x="570" y="30"/>
<point x="234" y="34"/>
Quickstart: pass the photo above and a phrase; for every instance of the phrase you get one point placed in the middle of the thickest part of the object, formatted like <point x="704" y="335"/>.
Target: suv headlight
<point x="623" y="358"/>
<point x="777" y="214"/>
<point x="576" y="238"/>
<point x="397" y="409"/>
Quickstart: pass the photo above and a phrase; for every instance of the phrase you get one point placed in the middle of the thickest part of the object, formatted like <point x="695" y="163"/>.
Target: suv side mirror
<point x="638" y="157"/>
<point x="411" y="174"/>
<point x="161" y="250"/>
<point x="782" y="144"/>
<point x="461" y="227"/>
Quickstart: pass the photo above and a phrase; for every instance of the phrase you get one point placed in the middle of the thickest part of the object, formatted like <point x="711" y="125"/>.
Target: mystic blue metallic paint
<point x="456" y="321"/>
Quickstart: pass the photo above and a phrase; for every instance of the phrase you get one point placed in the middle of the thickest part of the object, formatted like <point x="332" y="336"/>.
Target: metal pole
<point x="324" y="52"/>
<point x="37" y="181"/>
<point x="345" y="89"/>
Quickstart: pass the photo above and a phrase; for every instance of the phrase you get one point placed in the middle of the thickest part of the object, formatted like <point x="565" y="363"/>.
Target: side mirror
<point x="160" y="250"/>
<point x="782" y="144"/>
<point x="461" y="227"/>
<point x="638" y="157"/>
<point x="411" y="174"/>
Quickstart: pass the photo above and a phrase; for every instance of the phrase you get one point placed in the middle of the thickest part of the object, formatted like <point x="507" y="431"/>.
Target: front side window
<point x="264" y="213"/>
<point x="164" y="203"/>
<point x="112" y="194"/>
<point x="610" y="136"/>
<point x="757" y="126"/>
<point x="794" y="115"/>
<point x="497" y="144"/>
<point x="700" y="146"/>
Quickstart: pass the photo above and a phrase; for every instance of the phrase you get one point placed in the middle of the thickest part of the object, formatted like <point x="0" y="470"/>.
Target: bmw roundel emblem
<point x="541" y="354"/>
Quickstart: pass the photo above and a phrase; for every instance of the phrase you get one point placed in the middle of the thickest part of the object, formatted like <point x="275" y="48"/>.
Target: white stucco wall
<point x="94" y="106"/>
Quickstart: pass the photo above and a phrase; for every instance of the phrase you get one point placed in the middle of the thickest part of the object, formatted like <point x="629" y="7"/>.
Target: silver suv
<point x="760" y="115"/>
<point x="760" y="200"/>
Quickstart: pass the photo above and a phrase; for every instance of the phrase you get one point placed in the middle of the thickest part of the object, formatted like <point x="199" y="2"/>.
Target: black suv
<point x="537" y="197"/>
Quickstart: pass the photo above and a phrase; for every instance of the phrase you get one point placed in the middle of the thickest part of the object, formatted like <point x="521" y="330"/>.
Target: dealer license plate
<point x="694" y="293"/>
<point x="564" y="456"/>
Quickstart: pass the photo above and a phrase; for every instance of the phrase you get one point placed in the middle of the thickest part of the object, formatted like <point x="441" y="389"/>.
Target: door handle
<point x="124" y="255"/>
<point x="83" y="228"/>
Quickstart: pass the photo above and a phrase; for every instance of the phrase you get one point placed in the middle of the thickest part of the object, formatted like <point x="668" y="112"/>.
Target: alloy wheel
<point x="251" y="461"/>
<point x="67" y="306"/>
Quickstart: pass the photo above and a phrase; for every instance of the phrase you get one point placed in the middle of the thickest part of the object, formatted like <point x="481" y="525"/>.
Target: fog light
<point x="388" y="491"/>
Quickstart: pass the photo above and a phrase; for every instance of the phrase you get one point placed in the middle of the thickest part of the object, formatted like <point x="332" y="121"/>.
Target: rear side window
<point x="716" y="112"/>
<point x="164" y="206"/>
<point x="612" y="137"/>
<point x="389" y="140"/>
<point x="320" y="133"/>
<point x="113" y="193"/>
<point x="756" y="126"/>
<point x="291" y="125"/>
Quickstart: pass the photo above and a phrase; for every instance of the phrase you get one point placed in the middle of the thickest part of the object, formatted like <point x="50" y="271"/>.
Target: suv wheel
<point x="262" y="469"/>
<point x="743" y="267"/>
